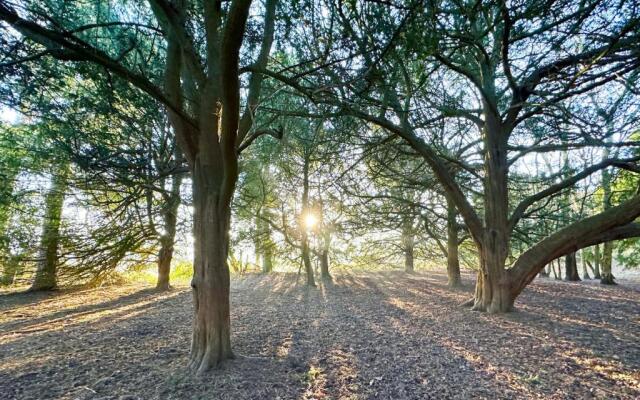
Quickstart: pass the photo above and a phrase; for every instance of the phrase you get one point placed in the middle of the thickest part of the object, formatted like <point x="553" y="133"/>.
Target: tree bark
<point x="211" y="339"/>
<point x="493" y="287"/>
<point x="408" y="243"/>
<point x="167" y="240"/>
<point x="607" y="249"/>
<point x="596" y="262"/>
<point x="6" y="190"/>
<point x="267" y="260"/>
<point x="306" y="259"/>
<point x="583" y="259"/>
<point x="607" y="277"/>
<point x="46" y="273"/>
<point x="324" y="256"/>
<point x="571" y="267"/>
<point x="453" y="261"/>
<point x="613" y="224"/>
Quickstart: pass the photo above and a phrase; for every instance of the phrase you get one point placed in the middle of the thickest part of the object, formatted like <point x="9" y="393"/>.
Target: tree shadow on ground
<point x="374" y="335"/>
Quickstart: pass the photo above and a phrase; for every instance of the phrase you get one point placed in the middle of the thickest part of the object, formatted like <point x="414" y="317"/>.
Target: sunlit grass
<point x="180" y="274"/>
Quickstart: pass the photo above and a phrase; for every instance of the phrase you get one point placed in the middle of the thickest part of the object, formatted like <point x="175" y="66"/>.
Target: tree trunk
<point x="267" y="261"/>
<point x="493" y="290"/>
<point x="493" y="287"/>
<point x="211" y="340"/>
<point x="264" y="245"/>
<point x="6" y="190"/>
<point x="408" y="258"/>
<point x="613" y="224"/>
<point x="306" y="259"/>
<point x="607" y="261"/>
<point x="607" y="249"/>
<point x="557" y="272"/>
<point x="324" y="256"/>
<point x="571" y="267"/>
<point x="596" y="262"/>
<point x="170" y="218"/>
<point x="453" y="261"/>
<point x="408" y="243"/>
<point x="45" y="278"/>
<point x="306" y="256"/>
<point x="257" y="238"/>
<point x="585" y="271"/>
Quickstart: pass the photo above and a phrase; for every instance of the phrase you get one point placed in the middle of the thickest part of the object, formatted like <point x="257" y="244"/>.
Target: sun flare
<point x="310" y="221"/>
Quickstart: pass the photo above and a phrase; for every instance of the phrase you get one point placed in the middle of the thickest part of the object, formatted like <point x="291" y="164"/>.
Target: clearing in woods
<point x="375" y="335"/>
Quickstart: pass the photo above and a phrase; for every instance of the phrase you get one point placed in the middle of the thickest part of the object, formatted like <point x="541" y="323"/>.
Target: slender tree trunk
<point x="607" y="249"/>
<point x="306" y="256"/>
<point x="267" y="260"/>
<point x="607" y="261"/>
<point x="571" y="267"/>
<point x="324" y="256"/>
<point x="211" y="340"/>
<point x="258" y="238"/>
<point x="13" y="267"/>
<point x="167" y="240"/>
<point x="306" y="259"/>
<point x="265" y="245"/>
<point x="585" y="271"/>
<point x="408" y="243"/>
<point x="45" y="278"/>
<point x="453" y="261"/>
<point x="6" y="190"/>
<point x="596" y="262"/>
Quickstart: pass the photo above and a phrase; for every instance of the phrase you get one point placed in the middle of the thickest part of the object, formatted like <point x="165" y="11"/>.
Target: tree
<point x="45" y="278"/>
<point x="571" y="267"/>
<point x="201" y="91"/>
<point x="471" y="49"/>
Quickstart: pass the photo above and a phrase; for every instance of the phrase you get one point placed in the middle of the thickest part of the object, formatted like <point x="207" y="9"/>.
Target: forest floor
<point x="376" y="335"/>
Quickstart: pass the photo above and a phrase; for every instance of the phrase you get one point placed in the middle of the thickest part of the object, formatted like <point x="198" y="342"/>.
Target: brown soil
<point x="384" y="335"/>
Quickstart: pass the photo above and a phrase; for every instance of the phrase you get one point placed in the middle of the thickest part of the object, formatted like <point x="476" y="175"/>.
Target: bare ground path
<point x="384" y="335"/>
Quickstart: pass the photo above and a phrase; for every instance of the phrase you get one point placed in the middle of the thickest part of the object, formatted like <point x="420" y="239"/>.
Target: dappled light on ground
<point x="364" y="336"/>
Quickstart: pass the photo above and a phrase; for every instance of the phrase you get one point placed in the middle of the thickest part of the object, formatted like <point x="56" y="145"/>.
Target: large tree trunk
<point x="493" y="287"/>
<point x="613" y="224"/>
<point x="211" y="340"/>
<point x="45" y="278"/>
<point x="170" y="218"/>
<point x="453" y="261"/>
<point x="571" y="267"/>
